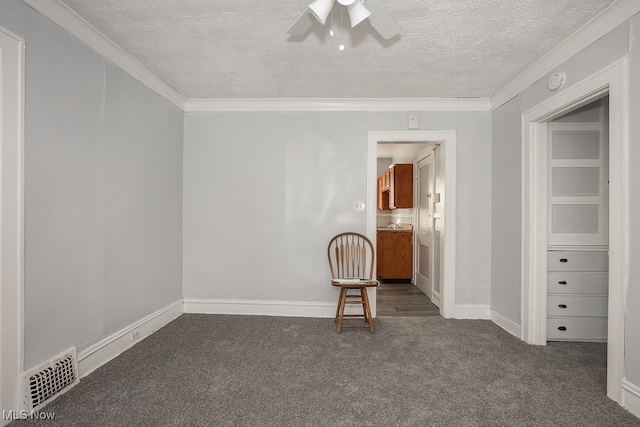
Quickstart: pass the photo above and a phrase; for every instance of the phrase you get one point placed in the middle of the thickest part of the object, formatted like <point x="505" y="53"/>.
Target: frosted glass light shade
<point x="357" y="12"/>
<point x="320" y="9"/>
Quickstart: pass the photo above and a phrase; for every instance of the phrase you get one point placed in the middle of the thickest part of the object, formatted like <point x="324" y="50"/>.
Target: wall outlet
<point x="135" y="335"/>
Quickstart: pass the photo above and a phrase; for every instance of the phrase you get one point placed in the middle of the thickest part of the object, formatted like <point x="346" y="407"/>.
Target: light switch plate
<point x="358" y="205"/>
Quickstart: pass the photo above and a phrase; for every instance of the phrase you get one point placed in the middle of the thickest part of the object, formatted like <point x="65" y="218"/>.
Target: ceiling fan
<point x="359" y="10"/>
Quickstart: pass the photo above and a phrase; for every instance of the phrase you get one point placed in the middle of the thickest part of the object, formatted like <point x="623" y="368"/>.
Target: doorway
<point x="419" y="141"/>
<point x="578" y="225"/>
<point x="535" y="221"/>
<point x="403" y="249"/>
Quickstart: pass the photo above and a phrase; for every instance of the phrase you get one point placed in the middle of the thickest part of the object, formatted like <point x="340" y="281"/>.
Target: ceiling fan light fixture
<point x="357" y="12"/>
<point x="321" y="9"/>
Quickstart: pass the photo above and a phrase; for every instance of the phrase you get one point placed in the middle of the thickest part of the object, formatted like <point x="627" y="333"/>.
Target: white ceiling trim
<point x="338" y="104"/>
<point x="593" y="30"/>
<point x="85" y="32"/>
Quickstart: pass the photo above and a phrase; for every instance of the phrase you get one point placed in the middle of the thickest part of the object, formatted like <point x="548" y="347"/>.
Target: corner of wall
<point x="507" y="324"/>
<point x="110" y="347"/>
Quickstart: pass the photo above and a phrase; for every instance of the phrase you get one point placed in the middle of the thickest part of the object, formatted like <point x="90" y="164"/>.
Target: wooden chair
<point x="351" y="260"/>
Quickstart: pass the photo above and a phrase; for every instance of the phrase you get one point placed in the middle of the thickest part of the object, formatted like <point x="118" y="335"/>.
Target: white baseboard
<point x="473" y="311"/>
<point x="260" y="307"/>
<point x="102" y="352"/>
<point x="507" y="324"/>
<point x="631" y="397"/>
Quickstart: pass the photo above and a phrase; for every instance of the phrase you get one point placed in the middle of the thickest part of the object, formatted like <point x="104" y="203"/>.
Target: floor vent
<point x="51" y="379"/>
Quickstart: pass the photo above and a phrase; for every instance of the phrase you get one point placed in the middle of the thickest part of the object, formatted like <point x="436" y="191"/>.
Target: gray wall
<point x="103" y="192"/>
<point x="383" y="164"/>
<point x="506" y="211"/>
<point x="264" y="193"/>
<point x="505" y="293"/>
<point x="597" y="111"/>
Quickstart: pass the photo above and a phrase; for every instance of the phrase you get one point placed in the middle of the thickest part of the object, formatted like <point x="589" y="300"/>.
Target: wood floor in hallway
<point x="404" y="300"/>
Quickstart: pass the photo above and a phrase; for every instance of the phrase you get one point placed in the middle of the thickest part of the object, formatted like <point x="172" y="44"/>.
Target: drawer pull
<point x="564" y="260"/>
<point x="562" y="328"/>
<point x="562" y="305"/>
<point x="562" y="282"/>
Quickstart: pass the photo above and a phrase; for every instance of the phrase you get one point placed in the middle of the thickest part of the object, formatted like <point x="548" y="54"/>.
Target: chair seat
<point x="362" y="283"/>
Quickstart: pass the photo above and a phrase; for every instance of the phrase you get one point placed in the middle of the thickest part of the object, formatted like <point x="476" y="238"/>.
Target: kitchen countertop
<point x="395" y="230"/>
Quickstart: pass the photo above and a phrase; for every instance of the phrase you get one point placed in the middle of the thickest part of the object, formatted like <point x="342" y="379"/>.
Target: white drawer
<point x="578" y="283"/>
<point x="577" y="305"/>
<point x="577" y="329"/>
<point x="577" y="261"/>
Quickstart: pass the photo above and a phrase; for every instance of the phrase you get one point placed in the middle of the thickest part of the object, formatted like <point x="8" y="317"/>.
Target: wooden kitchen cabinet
<point x="383" y="195"/>
<point x="394" y="254"/>
<point x="395" y="187"/>
<point x="385" y="180"/>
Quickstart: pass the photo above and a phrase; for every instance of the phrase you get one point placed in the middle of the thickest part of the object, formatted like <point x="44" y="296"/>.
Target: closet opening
<point x="577" y="208"/>
<point x="574" y="218"/>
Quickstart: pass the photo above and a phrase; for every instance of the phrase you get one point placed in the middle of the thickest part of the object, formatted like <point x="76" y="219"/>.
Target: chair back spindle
<point x="351" y="255"/>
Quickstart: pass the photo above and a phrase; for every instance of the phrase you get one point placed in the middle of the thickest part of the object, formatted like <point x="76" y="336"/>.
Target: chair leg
<point x="367" y="309"/>
<point x="341" y="304"/>
<point x="363" y="300"/>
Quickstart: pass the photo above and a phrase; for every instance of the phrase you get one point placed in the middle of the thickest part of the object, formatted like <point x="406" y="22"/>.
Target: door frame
<point x="609" y="81"/>
<point x="447" y="139"/>
<point x="11" y="222"/>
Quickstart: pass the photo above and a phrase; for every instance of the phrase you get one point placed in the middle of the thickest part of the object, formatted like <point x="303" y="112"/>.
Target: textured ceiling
<point x="241" y="49"/>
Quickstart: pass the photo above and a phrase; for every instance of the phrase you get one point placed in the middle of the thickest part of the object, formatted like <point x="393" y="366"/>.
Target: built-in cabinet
<point x="394" y="254"/>
<point x="395" y="187"/>
<point x="577" y="289"/>
<point x="577" y="256"/>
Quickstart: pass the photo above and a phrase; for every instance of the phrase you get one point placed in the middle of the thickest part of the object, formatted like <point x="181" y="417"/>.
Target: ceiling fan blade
<point x="381" y="20"/>
<point x="302" y="24"/>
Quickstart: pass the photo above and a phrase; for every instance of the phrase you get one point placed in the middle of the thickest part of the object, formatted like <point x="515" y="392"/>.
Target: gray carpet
<point x="220" y="370"/>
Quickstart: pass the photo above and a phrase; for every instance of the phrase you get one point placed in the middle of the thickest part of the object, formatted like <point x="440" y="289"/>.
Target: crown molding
<point x="604" y="22"/>
<point x="89" y="35"/>
<point x="337" y="104"/>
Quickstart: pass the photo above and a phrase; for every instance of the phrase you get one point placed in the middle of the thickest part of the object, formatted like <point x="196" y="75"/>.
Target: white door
<point x="423" y="230"/>
<point x="437" y="210"/>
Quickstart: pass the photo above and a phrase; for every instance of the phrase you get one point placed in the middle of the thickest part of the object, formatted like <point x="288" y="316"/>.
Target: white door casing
<point x="447" y="138"/>
<point x="612" y="81"/>
<point x="11" y="220"/>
